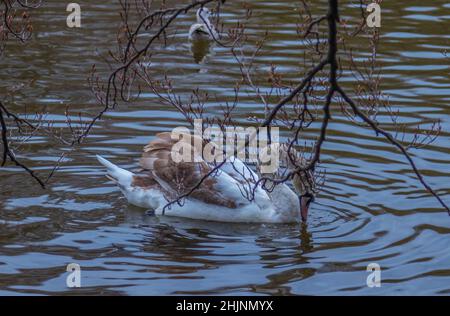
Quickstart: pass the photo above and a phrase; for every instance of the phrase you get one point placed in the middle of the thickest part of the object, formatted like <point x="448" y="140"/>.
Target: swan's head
<point x="304" y="186"/>
<point x="203" y="15"/>
<point x="303" y="181"/>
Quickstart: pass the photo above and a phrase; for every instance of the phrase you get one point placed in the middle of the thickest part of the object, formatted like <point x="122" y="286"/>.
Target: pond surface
<point x="371" y="210"/>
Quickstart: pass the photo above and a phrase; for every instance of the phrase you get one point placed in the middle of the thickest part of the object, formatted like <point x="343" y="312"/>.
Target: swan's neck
<point x="285" y="202"/>
<point x="202" y="19"/>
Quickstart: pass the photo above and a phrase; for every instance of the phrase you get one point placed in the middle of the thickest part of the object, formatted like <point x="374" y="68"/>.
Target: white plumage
<point x="203" y="29"/>
<point x="220" y="198"/>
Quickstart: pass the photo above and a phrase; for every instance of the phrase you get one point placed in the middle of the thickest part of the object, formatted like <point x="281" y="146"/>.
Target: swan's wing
<point x="239" y="170"/>
<point x="178" y="178"/>
<point x="247" y="179"/>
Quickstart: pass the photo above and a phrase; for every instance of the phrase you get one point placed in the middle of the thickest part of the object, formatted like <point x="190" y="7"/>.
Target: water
<point x="372" y="208"/>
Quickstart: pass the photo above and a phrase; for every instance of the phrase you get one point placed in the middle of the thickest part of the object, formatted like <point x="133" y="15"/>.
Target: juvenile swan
<point x="219" y="198"/>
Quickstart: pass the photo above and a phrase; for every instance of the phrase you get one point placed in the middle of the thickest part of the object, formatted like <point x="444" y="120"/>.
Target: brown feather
<point x="180" y="177"/>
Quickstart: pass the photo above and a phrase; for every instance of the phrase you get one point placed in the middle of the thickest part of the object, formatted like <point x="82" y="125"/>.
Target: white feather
<point x="121" y="176"/>
<point x="124" y="179"/>
<point x="279" y="206"/>
<point x="203" y="29"/>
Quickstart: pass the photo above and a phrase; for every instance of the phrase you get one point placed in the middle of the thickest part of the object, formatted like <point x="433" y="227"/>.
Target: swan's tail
<point x="124" y="180"/>
<point x="122" y="177"/>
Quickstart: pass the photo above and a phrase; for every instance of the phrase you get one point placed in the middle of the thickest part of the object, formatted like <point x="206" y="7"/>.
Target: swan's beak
<point x="304" y="206"/>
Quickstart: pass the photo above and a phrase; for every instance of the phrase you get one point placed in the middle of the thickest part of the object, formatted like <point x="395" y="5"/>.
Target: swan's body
<point x="203" y="29"/>
<point x="219" y="198"/>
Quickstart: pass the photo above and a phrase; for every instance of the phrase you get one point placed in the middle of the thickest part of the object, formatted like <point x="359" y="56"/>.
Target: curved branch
<point x="394" y="142"/>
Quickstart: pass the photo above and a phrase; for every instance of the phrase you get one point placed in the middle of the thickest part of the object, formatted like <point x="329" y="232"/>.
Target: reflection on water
<point x="371" y="210"/>
<point x="200" y="49"/>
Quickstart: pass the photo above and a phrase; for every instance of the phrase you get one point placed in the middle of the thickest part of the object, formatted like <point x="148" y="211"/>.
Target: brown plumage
<point x="177" y="178"/>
